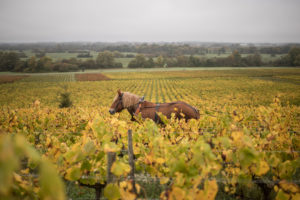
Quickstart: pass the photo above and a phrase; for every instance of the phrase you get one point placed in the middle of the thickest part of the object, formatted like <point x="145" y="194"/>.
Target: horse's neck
<point x="131" y="109"/>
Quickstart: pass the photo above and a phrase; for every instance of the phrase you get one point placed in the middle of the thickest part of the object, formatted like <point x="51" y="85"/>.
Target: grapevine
<point x="245" y="143"/>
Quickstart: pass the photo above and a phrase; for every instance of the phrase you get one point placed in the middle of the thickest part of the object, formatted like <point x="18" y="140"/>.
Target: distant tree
<point x="257" y="60"/>
<point x="182" y="61"/>
<point x="209" y="63"/>
<point x="253" y="60"/>
<point x="64" y="67"/>
<point x="294" y="54"/>
<point x="138" y="62"/>
<point x="129" y="56"/>
<point x="159" y="61"/>
<point x="118" y="65"/>
<point x="297" y="60"/>
<point x="282" y="61"/>
<point x="235" y="59"/>
<point x="9" y="61"/>
<point x="194" y="61"/>
<point x="88" y="64"/>
<point x="31" y="64"/>
<point x="170" y="62"/>
<point x="105" y="60"/>
<point x="150" y="63"/>
<point x="221" y="51"/>
<point x="117" y="54"/>
<point x="73" y="61"/>
<point x="44" y="64"/>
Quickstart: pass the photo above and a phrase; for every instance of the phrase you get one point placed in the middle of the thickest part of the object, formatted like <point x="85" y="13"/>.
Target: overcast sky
<point x="150" y="20"/>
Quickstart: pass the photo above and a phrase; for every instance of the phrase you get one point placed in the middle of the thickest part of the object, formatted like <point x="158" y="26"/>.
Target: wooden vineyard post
<point x="111" y="158"/>
<point x="131" y="160"/>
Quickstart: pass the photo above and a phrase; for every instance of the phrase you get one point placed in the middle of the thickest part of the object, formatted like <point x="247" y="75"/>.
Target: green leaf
<point x="247" y="157"/>
<point x="111" y="191"/>
<point x="111" y="147"/>
<point x="119" y="168"/>
<point x="89" y="147"/>
<point x="287" y="169"/>
<point x="23" y="145"/>
<point x="274" y="160"/>
<point x="8" y="163"/>
<point x="180" y="166"/>
<point x="282" y="195"/>
<point x="86" y="165"/>
<point x="52" y="186"/>
<point x="225" y="142"/>
<point x="262" y="168"/>
<point x="73" y="174"/>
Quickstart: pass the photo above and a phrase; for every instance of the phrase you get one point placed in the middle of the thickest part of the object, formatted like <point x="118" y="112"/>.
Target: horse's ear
<point x="119" y="92"/>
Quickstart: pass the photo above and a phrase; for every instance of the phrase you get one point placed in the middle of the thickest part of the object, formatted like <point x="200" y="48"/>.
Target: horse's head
<point x="117" y="105"/>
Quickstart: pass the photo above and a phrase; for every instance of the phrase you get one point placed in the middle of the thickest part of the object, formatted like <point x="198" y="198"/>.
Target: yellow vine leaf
<point x="17" y="177"/>
<point x="160" y="160"/>
<point x="262" y="168"/>
<point x="110" y="147"/>
<point x="73" y="173"/>
<point x="111" y="192"/>
<point x="138" y="188"/>
<point x="237" y="136"/>
<point x="163" y="180"/>
<point x="281" y="195"/>
<point x="289" y="187"/>
<point x="210" y="190"/>
<point x="126" y="190"/>
<point x="177" y="194"/>
<point x="120" y="168"/>
<point x="296" y="196"/>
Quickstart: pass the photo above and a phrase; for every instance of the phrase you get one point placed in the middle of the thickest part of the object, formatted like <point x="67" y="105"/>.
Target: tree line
<point x="153" y="49"/>
<point x="10" y="61"/>
<point x="233" y="60"/>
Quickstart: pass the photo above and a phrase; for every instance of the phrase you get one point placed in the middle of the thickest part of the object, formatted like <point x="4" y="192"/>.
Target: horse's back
<point x="189" y="111"/>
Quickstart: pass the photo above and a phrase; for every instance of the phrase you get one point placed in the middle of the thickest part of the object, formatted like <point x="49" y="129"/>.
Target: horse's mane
<point x="129" y="99"/>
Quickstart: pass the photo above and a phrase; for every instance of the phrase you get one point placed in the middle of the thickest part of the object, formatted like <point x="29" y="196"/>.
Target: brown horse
<point x="135" y="105"/>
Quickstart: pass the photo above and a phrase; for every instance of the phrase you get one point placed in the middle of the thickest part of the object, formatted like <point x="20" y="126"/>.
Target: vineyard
<point x="246" y="144"/>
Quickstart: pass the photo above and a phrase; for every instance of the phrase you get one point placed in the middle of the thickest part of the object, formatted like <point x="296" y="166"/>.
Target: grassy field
<point x="247" y="134"/>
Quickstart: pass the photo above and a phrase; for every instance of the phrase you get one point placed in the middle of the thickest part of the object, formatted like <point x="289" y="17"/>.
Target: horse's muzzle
<point x="112" y="111"/>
